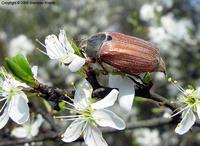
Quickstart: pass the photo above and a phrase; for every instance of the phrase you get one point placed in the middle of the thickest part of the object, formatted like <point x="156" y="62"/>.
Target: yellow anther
<point x="62" y="136"/>
<point x="169" y="79"/>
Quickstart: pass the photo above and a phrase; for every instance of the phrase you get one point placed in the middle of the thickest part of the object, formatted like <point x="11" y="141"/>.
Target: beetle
<point x="119" y="52"/>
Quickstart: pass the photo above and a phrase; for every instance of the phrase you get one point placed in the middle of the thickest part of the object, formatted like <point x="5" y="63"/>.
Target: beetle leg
<point x="105" y="71"/>
<point x="90" y="60"/>
<point x="138" y="84"/>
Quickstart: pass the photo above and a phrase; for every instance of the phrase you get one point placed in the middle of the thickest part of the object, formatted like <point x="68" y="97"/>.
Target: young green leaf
<point x="21" y="69"/>
<point x="75" y="47"/>
<point x="147" y="78"/>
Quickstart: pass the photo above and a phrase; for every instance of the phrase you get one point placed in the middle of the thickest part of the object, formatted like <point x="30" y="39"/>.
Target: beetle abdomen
<point x="129" y="57"/>
<point x="132" y="40"/>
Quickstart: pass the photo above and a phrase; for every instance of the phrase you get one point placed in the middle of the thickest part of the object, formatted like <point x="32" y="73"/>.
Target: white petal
<point x="73" y="132"/>
<point x="23" y="95"/>
<point x="81" y="99"/>
<point x="82" y="94"/>
<point x="93" y="136"/>
<point x="20" y="132"/>
<point x="4" y="118"/>
<point x="54" y="48"/>
<point x="18" y="109"/>
<point x="126" y="91"/>
<point x="36" y="125"/>
<point x="27" y="144"/>
<point x="106" y="118"/>
<point x="107" y="101"/>
<point x="198" y="109"/>
<point x="198" y="92"/>
<point x="10" y="82"/>
<point x="65" y="43"/>
<point x="35" y="71"/>
<point x="186" y="123"/>
<point x="76" y="63"/>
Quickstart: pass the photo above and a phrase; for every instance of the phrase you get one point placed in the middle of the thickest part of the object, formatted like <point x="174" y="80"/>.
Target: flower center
<point x="190" y="100"/>
<point x="87" y="115"/>
<point x="12" y="92"/>
<point x="64" y="59"/>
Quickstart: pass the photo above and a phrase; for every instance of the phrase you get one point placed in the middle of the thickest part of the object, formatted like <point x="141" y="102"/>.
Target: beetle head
<point x="94" y="43"/>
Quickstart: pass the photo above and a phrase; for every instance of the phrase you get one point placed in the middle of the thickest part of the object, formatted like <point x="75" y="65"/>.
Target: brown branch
<point x="163" y="101"/>
<point x="48" y="117"/>
<point x="42" y="137"/>
<point x="151" y="123"/>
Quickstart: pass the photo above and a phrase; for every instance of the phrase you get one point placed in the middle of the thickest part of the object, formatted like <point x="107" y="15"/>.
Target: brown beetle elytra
<point x="116" y="51"/>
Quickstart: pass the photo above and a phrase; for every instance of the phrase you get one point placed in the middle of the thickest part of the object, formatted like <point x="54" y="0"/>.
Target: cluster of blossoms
<point x="89" y="114"/>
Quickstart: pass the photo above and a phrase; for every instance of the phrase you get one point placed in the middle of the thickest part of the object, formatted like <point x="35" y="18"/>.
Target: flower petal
<point x="82" y="94"/>
<point x="126" y="91"/>
<point x="73" y="132"/>
<point x="54" y="48"/>
<point x="20" y="132"/>
<point x="106" y="118"/>
<point x="35" y="71"/>
<point x="186" y="123"/>
<point x="107" y="101"/>
<point x="18" y="109"/>
<point x="10" y="83"/>
<point x="76" y="63"/>
<point x="36" y="125"/>
<point x="93" y="136"/>
<point x="4" y="118"/>
<point x="198" y="109"/>
<point x="65" y="43"/>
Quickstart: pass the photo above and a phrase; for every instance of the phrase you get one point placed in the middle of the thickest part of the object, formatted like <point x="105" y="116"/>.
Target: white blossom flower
<point x="168" y="4"/>
<point x="126" y="91"/>
<point x="191" y="105"/>
<point x="146" y="137"/>
<point x="28" y="129"/>
<point x="179" y="29"/>
<point x="20" y="44"/>
<point x="147" y="12"/>
<point x="15" y="101"/>
<point x="89" y="115"/>
<point x="61" y="50"/>
<point x="159" y="36"/>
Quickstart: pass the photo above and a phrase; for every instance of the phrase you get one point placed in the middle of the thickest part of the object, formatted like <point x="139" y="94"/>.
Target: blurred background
<point x="172" y="25"/>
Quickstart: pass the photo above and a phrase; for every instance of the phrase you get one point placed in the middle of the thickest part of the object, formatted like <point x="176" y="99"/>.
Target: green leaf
<point x="21" y="69"/>
<point x="75" y="47"/>
<point x="147" y="78"/>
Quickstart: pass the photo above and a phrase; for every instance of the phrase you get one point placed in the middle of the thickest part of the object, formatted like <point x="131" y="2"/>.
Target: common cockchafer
<point x="122" y="53"/>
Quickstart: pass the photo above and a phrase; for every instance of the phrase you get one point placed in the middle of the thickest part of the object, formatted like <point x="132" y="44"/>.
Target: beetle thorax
<point x="94" y="44"/>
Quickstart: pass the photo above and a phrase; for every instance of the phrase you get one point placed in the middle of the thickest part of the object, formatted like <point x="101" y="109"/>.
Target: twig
<point x="151" y="123"/>
<point x="48" y="117"/>
<point x="42" y="137"/>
